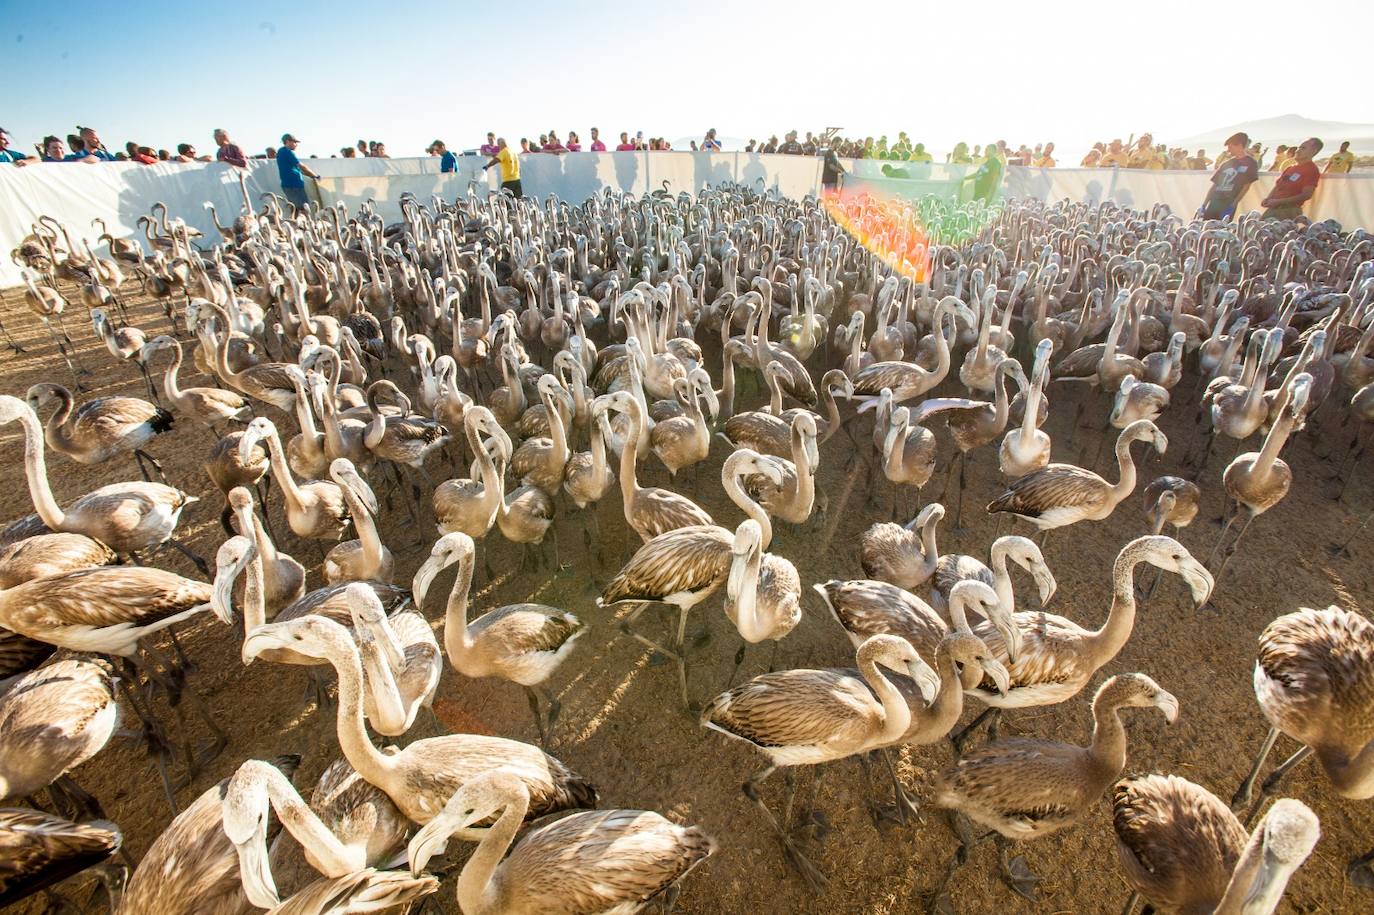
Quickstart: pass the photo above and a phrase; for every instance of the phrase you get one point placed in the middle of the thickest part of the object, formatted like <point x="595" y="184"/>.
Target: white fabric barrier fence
<point x="74" y="193"/>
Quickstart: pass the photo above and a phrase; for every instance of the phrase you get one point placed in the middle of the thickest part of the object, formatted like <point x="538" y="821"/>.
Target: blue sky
<point x="164" y="73"/>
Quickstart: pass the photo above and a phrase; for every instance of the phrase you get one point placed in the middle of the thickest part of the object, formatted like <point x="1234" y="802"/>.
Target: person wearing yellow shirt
<point x="960" y="155"/>
<point x="509" y="164"/>
<point x="1200" y="161"/>
<point x="1115" y="157"/>
<point x="1143" y="154"/>
<point x="919" y="154"/>
<point x="1341" y="162"/>
<point x="1046" y="158"/>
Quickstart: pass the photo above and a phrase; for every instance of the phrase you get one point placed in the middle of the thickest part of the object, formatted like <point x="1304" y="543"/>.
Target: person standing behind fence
<point x="711" y="144"/>
<point x="1341" y="162"/>
<point x="448" y="162"/>
<point x="11" y="155"/>
<point x="290" y="169"/>
<point x="91" y="140"/>
<point x="1231" y="179"/>
<point x="509" y="164"/>
<point x="597" y="145"/>
<point x="227" y="151"/>
<point x="1296" y="185"/>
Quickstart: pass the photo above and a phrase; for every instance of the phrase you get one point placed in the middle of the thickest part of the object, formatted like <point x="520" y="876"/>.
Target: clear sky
<point x="405" y="73"/>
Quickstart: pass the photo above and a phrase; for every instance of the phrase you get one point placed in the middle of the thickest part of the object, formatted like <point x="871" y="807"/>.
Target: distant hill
<point x="1287" y="129"/>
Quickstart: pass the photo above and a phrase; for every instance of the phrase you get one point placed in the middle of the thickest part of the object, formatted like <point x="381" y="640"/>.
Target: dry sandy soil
<point x="622" y="724"/>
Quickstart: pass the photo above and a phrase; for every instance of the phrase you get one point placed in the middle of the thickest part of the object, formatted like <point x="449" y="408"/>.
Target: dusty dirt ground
<point x="622" y="724"/>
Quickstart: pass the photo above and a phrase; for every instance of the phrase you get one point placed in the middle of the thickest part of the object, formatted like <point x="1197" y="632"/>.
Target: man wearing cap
<point x="448" y="162"/>
<point x="290" y="169"/>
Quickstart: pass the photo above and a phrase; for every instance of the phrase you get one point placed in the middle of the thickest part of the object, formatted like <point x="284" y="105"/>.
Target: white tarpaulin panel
<point x="75" y="193"/>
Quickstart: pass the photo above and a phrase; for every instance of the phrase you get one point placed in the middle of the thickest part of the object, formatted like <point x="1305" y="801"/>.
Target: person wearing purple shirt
<point x="597" y="145"/>
<point x="490" y="148"/>
<point x="228" y="152"/>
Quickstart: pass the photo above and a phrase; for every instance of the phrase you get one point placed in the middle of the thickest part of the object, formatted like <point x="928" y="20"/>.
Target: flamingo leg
<point x="795" y="859"/>
<point x="1242" y="796"/>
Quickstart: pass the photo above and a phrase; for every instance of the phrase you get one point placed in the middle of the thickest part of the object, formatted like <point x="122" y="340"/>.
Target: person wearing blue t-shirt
<point x="94" y="148"/>
<point x="290" y="169"/>
<point x="7" y="154"/>
<point x="448" y="162"/>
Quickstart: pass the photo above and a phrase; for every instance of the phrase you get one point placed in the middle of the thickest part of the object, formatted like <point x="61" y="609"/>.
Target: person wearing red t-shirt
<point x="1296" y="185"/>
<point x="625" y="145"/>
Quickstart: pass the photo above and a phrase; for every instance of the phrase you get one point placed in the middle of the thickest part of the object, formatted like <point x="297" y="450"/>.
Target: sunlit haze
<point x="1071" y="72"/>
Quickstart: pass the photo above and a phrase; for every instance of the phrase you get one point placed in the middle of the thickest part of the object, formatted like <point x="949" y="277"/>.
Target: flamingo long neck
<point x="735" y="490"/>
<point x="376" y="427"/>
<point x="1107" y="641"/>
<point x="457" y="638"/>
<point x="281" y="471"/>
<point x="171" y="382"/>
<point x="894" y="446"/>
<point x="365" y="758"/>
<point x="598" y="452"/>
<point x="896" y="713"/>
<point x="221" y="354"/>
<point x="775" y="396"/>
<point x="478" y="892"/>
<point x="1001" y="579"/>
<point x="305" y="416"/>
<point x="629" y="485"/>
<point x="752" y="627"/>
<point x="367" y="529"/>
<point x="322" y="848"/>
<point x="255" y="578"/>
<point x="765" y="313"/>
<point x="557" y="431"/>
<point x="1002" y="406"/>
<point x="806" y="480"/>
<point x="727" y="387"/>
<point x="1125" y="483"/>
<point x="942" y="715"/>
<point x="1273" y="444"/>
<point x="832" y="414"/>
<point x="1032" y="408"/>
<point x="492" y="496"/>
<point x="941" y="350"/>
<point x="930" y="552"/>
<point x="58" y="435"/>
<point x="1108" y="747"/>
<point x="1243" y="876"/>
<point x="37" y="471"/>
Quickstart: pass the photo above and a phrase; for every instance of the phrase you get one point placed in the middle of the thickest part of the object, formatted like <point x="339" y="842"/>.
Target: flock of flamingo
<point x="491" y="369"/>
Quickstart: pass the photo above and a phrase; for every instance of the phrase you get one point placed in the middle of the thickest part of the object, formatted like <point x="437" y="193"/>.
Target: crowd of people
<point x="85" y="145"/>
<point x="1146" y="154"/>
<point x="1235" y="168"/>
